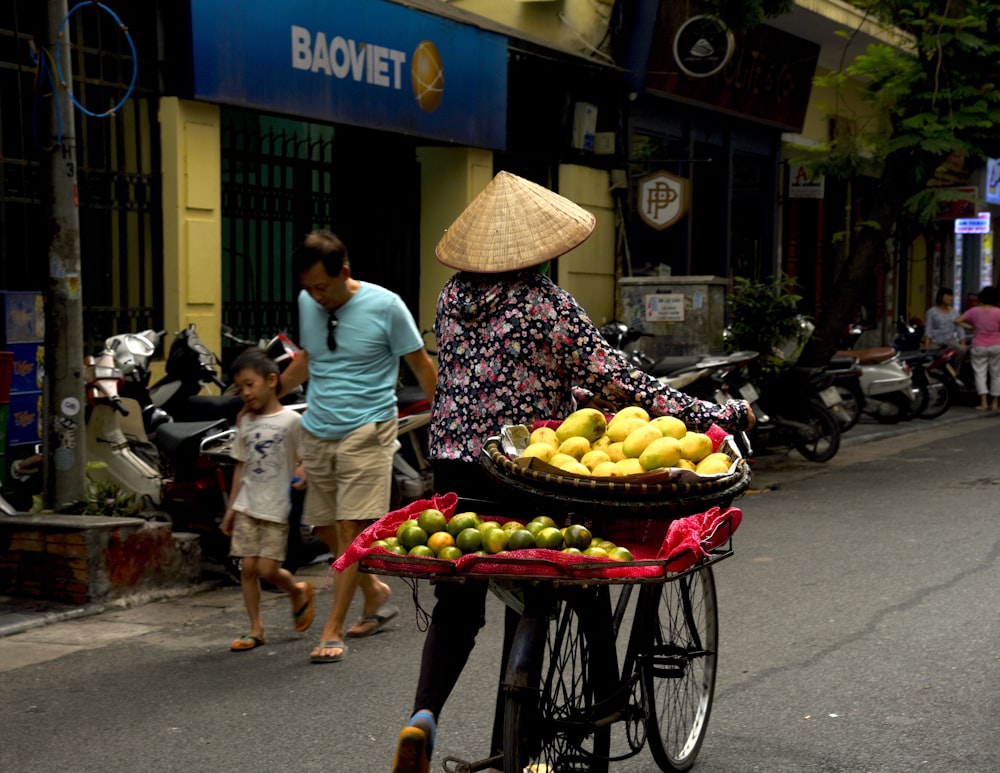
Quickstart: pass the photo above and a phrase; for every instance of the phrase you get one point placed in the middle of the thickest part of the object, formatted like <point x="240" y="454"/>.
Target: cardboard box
<point x="28" y="368"/>
<point x="24" y="423"/>
<point x="23" y="318"/>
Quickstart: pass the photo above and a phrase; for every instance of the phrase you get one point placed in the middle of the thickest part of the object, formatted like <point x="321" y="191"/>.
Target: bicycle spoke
<point x="679" y="669"/>
<point x="554" y="727"/>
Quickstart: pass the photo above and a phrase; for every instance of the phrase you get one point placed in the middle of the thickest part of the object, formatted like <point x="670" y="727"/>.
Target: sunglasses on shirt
<point x="331" y="327"/>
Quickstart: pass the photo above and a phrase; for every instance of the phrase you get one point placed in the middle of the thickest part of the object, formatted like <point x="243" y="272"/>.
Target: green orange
<point x="495" y="541"/>
<point x="412" y="536"/>
<point x="470" y="540"/>
<point x="432" y="521"/>
<point x="521" y="539"/>
<point x="462" y="521"/>
<point x="549" y="538"/>
<point x="577" y="536"/>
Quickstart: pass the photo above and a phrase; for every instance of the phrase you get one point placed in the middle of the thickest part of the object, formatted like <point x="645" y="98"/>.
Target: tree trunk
<point x="858" y="271"/>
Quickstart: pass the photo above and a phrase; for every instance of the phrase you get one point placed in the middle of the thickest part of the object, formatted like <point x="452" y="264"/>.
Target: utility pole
<point x="64" y="434"/>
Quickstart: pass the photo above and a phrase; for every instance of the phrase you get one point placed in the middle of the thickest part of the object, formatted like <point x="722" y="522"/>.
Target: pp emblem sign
<point x="663" y="199"/>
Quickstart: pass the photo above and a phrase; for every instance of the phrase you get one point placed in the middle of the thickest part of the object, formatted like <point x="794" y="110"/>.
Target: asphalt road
<point x="859" y="632"/>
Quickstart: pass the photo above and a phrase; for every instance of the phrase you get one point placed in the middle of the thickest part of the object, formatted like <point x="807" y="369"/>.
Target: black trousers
<point x="460" y="610"/>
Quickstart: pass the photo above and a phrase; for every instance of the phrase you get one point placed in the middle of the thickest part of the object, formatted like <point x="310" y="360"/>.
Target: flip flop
<point x="304" y="614"/>
<point x="247" y="642"/>
<point x="329" y="645"/>
<point x="376" y="621"/>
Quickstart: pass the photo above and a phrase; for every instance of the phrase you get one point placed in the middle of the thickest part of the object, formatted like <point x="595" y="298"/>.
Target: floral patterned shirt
<point x="513" y="348"/>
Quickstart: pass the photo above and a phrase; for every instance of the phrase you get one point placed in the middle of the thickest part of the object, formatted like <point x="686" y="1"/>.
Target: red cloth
<point x="659" y="547"/>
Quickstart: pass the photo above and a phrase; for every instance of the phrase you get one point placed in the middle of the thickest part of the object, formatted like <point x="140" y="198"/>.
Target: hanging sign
<point x="702" y="46"/>
<point x="802" y="184"/>
<point x="993" y="180"/>
<point x="663" y="199"/>
<point x="973" y="225"/>
<point x="371" y="63"/>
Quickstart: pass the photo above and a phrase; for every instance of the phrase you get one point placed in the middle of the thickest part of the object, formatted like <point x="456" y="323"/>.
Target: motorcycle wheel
<point x="899" y="408"/>
<point x="920" y="394"/>
<point x="939" y="397"/>
<point x="823" y="436"/>
<point x="852" y="405"/>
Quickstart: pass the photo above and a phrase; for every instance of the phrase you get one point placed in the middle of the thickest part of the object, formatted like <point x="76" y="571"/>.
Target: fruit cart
<point x="609" y="656"/>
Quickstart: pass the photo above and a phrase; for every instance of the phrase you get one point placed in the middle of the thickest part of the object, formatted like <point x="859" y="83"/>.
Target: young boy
<point x="267" y="449"/>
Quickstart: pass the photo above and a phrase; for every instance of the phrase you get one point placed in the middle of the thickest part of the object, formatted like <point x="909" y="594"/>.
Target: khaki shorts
<point x="349" y="479"/>
<point x="257" y="537"/>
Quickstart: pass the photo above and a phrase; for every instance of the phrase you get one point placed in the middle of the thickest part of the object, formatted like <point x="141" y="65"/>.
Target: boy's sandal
<point x="304" y="615"/>
<point x="247" y="642"/>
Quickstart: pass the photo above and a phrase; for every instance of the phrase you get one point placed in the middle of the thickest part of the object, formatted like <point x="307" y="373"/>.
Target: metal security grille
<point x="277" y="179"/>
<point x="282" y="178"/>
<point x="118" y="156"/>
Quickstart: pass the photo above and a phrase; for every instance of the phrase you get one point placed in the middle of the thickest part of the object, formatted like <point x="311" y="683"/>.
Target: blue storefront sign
<point x="363" y="62"/>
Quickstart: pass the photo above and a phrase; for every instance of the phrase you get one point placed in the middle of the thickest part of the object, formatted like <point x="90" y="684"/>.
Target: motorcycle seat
<point x="841" y="361"/>
<point x="182" y="437"/>
<point x="199" y="408"/>
<point x="872" y="356"/>
<point x="667" y="366"/>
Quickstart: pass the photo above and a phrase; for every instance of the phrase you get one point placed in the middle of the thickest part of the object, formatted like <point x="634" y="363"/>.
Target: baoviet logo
<point x="370" y="63"/>
<point x="427" y="76"/>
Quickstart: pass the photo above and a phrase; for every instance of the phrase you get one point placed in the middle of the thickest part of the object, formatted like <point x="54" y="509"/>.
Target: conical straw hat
<point x="513" y="224"/>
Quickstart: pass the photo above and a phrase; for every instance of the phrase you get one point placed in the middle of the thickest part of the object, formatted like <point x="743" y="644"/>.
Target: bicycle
<point x="566" y="689"/>
<point x="566" y="686"/>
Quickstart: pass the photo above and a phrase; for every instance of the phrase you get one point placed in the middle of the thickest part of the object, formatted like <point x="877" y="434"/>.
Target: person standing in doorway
<point x="353" y="334"/>
<point x="940" y="327"/>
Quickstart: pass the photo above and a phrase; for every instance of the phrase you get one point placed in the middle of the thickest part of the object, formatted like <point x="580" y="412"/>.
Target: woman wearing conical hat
<point x="513" y="347"/>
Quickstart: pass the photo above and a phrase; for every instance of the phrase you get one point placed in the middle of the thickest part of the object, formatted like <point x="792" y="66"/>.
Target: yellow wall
<point x="452" y="177"/>
<point x="588" y="272"/>
<point x="192" y="219"/>
<point x="573" y="25"/>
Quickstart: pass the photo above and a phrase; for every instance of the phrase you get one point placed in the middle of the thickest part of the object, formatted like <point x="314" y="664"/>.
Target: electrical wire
<point x="44" y="64"/>
<point x="135" y="59"/>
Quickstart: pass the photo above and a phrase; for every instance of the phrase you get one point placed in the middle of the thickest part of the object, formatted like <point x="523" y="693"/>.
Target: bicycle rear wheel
<point x="679" y="669"/>
<point x="552" y="727"/>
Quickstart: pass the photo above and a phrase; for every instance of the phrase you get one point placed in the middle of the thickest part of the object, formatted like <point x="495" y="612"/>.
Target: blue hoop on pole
<point x="128" y="37"/>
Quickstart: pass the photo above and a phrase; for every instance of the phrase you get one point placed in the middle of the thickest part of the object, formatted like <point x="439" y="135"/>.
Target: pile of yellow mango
<point x="586" y="443"/>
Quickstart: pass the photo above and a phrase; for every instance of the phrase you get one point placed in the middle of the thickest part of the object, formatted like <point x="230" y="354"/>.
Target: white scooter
<point x="885" y="380"/>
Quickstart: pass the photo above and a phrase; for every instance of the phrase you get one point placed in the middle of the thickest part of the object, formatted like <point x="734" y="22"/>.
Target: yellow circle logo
<point x="427" y="76"/>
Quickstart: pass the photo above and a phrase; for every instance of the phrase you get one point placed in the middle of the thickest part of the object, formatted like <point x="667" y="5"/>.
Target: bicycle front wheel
<point x="679" y="669"/>
<point x="553" y="728"/>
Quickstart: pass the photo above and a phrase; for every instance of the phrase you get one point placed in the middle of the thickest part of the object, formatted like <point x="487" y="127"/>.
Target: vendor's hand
<point x="600" y="404"/>
<point x="750" y="419"/>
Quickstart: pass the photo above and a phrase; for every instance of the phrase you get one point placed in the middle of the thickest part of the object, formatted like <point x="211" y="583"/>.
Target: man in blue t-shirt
<point x="352" y="334"/>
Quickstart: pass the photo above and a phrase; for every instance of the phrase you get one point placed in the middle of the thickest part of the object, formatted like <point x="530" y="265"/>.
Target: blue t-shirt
<point x="355" y="384"/>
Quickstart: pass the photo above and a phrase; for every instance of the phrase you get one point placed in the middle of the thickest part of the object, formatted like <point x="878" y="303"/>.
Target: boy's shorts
<point x="349" y="479"/>
<point x="259" y="538"/>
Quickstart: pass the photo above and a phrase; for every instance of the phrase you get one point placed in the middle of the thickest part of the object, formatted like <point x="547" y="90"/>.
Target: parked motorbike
<point x="845" y="373"/>
<point x="889" y="395"/>
<point x="942" y="375"/>
<point x="796" y="412"/>
<point x="149" y="454"/>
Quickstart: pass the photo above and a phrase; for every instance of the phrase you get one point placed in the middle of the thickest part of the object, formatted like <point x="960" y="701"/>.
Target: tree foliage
<point x="932" y="100"/>
<point x="763" y="316"/>
<point x="744" y="14"/>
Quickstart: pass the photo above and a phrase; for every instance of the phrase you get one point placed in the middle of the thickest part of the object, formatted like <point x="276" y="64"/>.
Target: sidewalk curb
<point x="141" y="598"/>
